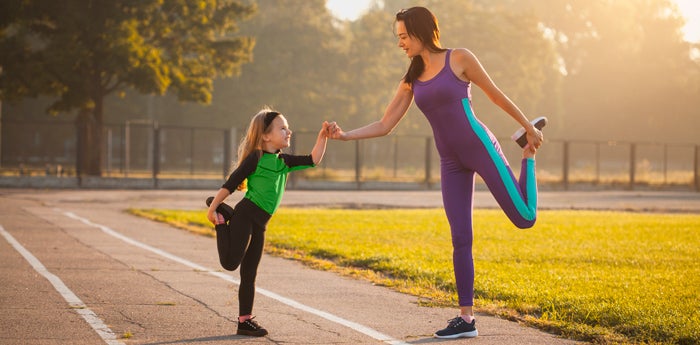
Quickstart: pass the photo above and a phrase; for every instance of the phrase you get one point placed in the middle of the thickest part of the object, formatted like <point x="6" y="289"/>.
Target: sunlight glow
<point x="690" y="9"/>
<point x="348" y="9"/>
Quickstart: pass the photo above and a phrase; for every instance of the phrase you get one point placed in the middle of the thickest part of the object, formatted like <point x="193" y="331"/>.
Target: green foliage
<point x="193" y="222"/>
<point x="82" y="51"/>
<point x="626" y="65"/>
<point x="515" y="53"/>
<point x="374" y="68"/>
<point x="295" y="69"/>
<point x="606" y="277"/>
<point x="581" y="63"/>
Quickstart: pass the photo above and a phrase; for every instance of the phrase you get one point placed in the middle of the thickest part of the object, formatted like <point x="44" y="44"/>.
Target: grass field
<point x="604" y="277"/>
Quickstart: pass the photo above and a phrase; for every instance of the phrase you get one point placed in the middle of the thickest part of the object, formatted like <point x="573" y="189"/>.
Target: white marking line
<point x="292" y="303"/>
<point x="91" y="318"/>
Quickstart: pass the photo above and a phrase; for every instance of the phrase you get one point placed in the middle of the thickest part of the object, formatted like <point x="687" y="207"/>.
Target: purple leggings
<point x="481" y="154"/>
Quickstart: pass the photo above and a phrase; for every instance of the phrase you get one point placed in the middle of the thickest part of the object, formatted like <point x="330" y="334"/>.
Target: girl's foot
<point x="251" y="328"/>
<point x="220" y="219"/>
<point x="529" y="152"/>
<point x="224" y="209"/>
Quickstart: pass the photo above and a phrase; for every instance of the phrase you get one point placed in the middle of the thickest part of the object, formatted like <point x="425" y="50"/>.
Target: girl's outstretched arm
<point x="320" y="148"/>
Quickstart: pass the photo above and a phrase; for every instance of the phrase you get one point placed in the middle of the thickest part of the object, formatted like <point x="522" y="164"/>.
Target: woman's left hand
<point x="535" y="137"/>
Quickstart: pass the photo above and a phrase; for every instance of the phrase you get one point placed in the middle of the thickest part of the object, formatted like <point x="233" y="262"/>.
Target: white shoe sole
<point x="519" y="135"/>
<point x="471" y="334"/>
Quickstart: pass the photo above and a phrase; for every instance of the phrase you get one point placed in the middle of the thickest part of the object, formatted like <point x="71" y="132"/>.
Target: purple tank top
<point x="443" y="88"/>
<point x="440" y="100"/>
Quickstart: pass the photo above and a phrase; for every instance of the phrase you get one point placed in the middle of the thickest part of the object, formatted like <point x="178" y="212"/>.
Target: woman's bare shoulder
<point x="462" y="54"/>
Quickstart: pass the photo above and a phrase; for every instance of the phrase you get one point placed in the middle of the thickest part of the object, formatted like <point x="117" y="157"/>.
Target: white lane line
<point x="90" y="317"/>
<point x="292" y="303"/>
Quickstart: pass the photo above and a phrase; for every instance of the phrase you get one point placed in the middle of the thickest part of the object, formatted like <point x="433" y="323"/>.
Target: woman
<point x="440" y="80"/>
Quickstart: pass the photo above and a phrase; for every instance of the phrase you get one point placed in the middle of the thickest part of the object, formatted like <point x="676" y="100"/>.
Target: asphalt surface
<point x="76" y="269"/>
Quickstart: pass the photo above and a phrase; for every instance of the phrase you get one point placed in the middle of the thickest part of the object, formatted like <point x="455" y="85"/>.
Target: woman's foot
<point x="458" y="328"/>
<point x="520" y="136"/>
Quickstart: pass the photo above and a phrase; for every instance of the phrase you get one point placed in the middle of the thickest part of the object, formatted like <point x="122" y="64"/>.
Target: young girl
<point x="440" y="81"/>
<point x="240" y="232"/>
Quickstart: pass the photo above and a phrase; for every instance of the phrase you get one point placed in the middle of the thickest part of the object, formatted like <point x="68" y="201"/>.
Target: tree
<point x="295" y="69"/>
<point x="81" y="51"/>
<point x="514" y="50"/>
<point x="510" y="45"/>
<point x="628" y="74"/>
<point x="375" y="66"/>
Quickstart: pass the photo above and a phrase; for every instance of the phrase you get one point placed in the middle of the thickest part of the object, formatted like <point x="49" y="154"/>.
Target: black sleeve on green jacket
<point x="293" y="161"/>
<point x="242" y="172"/>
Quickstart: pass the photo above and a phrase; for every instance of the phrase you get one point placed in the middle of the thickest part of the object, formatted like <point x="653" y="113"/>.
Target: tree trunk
<point x="89" y="148"/>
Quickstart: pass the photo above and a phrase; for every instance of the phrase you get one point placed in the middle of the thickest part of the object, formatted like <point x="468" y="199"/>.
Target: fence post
<point x="696" y="168"/>
<point x="633" y="163"/>
<point x="156" y="154"/>
<point x="108" y="154"/>
<point x="358" y="165"/>
<point x="127" y="148"/>
<point x="565" y="167"/>
<point x="428" y="159"/>
<point x="1" y="156"/>
<point x="227" y="151"/>
<point x="395" y="141"/>
<point x="597" y="163"/>
<point x="79" y="141"/>
<point x="665" y="164"/>
<point x="192" y="151"/>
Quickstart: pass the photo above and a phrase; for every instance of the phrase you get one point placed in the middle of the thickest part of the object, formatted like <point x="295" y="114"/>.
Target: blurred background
<point x="166" y="89"/>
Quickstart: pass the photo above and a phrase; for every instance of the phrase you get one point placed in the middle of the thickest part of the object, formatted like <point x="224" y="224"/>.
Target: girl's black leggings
<point x="240" y="243"/>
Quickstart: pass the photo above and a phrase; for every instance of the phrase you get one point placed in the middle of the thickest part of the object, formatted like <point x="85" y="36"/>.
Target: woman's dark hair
<point x="423" y="25"/>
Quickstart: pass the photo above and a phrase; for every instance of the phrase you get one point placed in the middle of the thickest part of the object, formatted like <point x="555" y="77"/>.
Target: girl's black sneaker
<point x="223" y="209"/>
<point x="458" y="328"/>
<point x="251" y="328"/>
<point x="520" y="136"/>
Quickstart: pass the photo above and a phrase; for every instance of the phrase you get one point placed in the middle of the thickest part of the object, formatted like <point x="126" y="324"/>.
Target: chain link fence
<point x="143" y="149"/>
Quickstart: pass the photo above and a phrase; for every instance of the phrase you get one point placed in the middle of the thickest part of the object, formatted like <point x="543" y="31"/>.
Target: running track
<point x="77" y="270"/>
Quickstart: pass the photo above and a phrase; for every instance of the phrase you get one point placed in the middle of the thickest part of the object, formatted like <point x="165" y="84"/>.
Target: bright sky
<point x="691" y="10"/>
<point x="352" y="9"/>
<point x="348" y="9"/>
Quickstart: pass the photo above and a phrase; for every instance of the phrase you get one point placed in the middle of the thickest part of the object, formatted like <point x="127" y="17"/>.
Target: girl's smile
<point x="278" y="135"/>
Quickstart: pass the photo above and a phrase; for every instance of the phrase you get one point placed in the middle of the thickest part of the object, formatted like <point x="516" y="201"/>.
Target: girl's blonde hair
<point x="253" y="139"/>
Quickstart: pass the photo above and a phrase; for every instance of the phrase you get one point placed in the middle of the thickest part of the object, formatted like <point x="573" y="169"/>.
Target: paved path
<point x="75" y="269"/>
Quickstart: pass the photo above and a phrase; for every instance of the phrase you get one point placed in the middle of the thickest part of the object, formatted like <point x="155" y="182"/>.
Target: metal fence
<point x="144" y="149"/>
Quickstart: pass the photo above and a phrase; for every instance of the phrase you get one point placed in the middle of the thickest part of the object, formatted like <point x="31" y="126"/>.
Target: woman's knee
<point x="462" y="241"/>
<point x="525" y="223"/>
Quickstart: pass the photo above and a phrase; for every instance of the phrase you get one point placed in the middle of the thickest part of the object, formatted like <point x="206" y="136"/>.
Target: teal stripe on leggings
<point x="526" y="212"/>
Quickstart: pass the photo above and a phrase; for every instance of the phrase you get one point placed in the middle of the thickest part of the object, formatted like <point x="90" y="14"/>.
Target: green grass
<point x="605" y="277"/>
<point x="192" y="221"/>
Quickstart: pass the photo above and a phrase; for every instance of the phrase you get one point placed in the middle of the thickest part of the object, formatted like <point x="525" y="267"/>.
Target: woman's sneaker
<point x="458" y="328"/>
<point x="520" y="136"/>
<point x="251" y="328"/>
